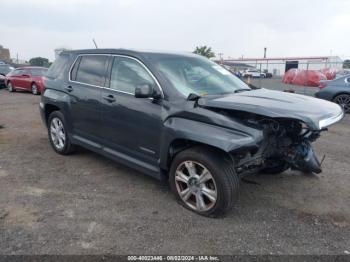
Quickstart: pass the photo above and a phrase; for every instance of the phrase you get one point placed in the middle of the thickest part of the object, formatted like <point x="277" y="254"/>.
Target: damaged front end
<point x="286" y="144"/>
<point x="287" y="124"/>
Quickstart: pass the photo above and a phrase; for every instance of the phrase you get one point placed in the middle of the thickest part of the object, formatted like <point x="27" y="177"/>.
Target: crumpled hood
<point x="316" y="113"/>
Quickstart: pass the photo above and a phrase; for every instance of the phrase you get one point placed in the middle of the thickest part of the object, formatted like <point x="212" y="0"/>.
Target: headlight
<point x="329" y="121"/>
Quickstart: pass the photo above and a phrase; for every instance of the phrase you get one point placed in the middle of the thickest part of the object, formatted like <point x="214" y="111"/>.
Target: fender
<point x="225" y="139"/>
<point x="59" y="99"/>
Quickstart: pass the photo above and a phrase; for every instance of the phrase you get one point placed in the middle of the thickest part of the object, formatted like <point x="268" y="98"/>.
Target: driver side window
<point x="127" y="74"/>
<point x="18" y="72"/>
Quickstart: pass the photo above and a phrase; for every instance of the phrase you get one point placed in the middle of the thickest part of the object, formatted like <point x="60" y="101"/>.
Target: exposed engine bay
<point x="286" y="144"/>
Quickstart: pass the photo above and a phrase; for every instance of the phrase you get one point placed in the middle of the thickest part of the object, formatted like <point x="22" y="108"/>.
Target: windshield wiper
<point x="241" y="90"/>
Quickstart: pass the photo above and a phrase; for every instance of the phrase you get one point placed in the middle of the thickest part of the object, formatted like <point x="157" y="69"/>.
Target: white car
<point x="253" y="73"/>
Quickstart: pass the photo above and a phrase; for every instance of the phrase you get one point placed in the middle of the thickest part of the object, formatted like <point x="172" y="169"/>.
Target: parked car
<point x="253" y="73"/>
<point x="2" y="81"/>
<point x="28" y="78"/>
<point x="337" y="90"/>
<point x="180" y="117"/>
<point x="267" y="74"/>
<point x="4" y="70"/>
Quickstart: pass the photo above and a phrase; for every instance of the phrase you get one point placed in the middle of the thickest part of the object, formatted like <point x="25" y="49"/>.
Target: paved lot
<point x="276" y="84"/>
<point x="86" y="204"/>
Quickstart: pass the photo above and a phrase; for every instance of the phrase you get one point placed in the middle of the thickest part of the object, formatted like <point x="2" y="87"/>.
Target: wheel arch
<point x="180" y="144"/>
<point x="340" y="93"/>
<point x="180" y="134"/>
<point x="49" y="108"/>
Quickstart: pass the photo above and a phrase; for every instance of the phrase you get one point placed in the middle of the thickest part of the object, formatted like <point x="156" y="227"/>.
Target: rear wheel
<point x="35" y="90"/>
<point x="204" y="181"/>
<point x="58" y="135"/>
<point x="10" y="87"/>
<point x="344" y="101"/>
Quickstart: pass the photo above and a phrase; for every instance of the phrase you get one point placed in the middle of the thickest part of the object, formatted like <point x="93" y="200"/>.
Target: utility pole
<point x="265" y="52"/>
<point x="221" y="57"/>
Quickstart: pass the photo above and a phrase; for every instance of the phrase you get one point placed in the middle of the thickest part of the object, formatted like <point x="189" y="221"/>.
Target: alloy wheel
<point x="9" y="87"/>
<point x="58" y="135"/>
<point x="34" y="89"/>
<point x="196" y="186"/>
<point x="343" y="101"/>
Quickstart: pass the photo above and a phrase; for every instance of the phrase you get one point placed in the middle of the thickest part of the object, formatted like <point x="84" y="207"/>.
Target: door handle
<point x="109" y="98"/>
<point x="69" y="88"/>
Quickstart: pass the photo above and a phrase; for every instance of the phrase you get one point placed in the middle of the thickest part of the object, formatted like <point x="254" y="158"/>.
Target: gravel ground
<point x="87" y="204"/>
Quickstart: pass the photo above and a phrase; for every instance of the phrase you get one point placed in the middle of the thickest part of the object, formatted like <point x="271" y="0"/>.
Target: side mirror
<point x="25" y="75"/>
<point x="144" y="91"/>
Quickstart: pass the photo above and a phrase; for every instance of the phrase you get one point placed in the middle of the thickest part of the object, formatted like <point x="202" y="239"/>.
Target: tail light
<point x="322" y="85"/>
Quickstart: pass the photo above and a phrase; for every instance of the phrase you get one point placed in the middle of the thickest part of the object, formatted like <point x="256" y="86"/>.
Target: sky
<point x="32" y="28"/>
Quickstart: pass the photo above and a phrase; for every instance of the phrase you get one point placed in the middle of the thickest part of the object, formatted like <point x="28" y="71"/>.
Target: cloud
<point x="36" y="27"/>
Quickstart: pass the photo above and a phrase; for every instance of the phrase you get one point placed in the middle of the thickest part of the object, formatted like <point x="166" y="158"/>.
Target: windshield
<point x="199" y="76"/>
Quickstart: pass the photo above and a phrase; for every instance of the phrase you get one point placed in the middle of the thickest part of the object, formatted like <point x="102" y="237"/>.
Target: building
<point x="5" y="54"/>
<point x="279" y="65"/>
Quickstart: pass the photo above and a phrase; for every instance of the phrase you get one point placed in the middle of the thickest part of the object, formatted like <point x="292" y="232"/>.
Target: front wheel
<point x="35" y="90"/>
<point x="10" y="87"/>
<point x="204" y="181"/>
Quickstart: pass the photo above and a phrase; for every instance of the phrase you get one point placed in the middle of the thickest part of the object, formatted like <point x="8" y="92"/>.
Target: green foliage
<point x="39" y="61"/>
<point x="204" y="51"/>
<point x="346" y="63"/>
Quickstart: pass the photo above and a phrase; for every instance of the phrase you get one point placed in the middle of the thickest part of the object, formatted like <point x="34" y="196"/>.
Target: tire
<point x="344" y="101"/>
<point x="220" y="187"/>
<point x="10" y="87"/>
<point x="59" y="139"/>
<point x="34" y="89"/>
<point x="277" y="168"/>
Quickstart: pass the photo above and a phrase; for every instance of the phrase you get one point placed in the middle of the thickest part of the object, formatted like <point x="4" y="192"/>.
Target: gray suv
<point x="180" y="117"/>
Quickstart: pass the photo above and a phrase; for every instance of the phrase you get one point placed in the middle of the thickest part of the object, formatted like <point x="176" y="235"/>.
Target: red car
<point x="28" y="78"/>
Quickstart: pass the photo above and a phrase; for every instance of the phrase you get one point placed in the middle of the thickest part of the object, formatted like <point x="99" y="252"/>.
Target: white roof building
<point x="279" y="65"/>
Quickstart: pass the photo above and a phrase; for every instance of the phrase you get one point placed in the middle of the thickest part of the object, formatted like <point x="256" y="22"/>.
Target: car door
<point x="15" y="78"/>
<point x="25" y="79"/>
<point x="131" y="127"/>
<point x="86" y="80"/>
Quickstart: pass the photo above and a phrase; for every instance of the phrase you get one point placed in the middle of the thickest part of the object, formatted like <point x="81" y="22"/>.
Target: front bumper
<point x="331" y="120"/>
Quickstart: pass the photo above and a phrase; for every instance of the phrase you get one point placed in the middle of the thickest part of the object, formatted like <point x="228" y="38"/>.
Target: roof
<point x="128" y="52"/>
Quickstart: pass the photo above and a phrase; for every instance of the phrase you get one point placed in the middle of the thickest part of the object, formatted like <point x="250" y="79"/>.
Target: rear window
<point x="57" y="68"/>
<point x="91" y="70"/>
<point x="38" y="71"/>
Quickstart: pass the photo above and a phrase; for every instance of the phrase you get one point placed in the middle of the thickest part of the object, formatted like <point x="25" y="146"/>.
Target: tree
<point x="39" y="61"/>
<point x="204" y="51"/>
<point x="346" y="63"/>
